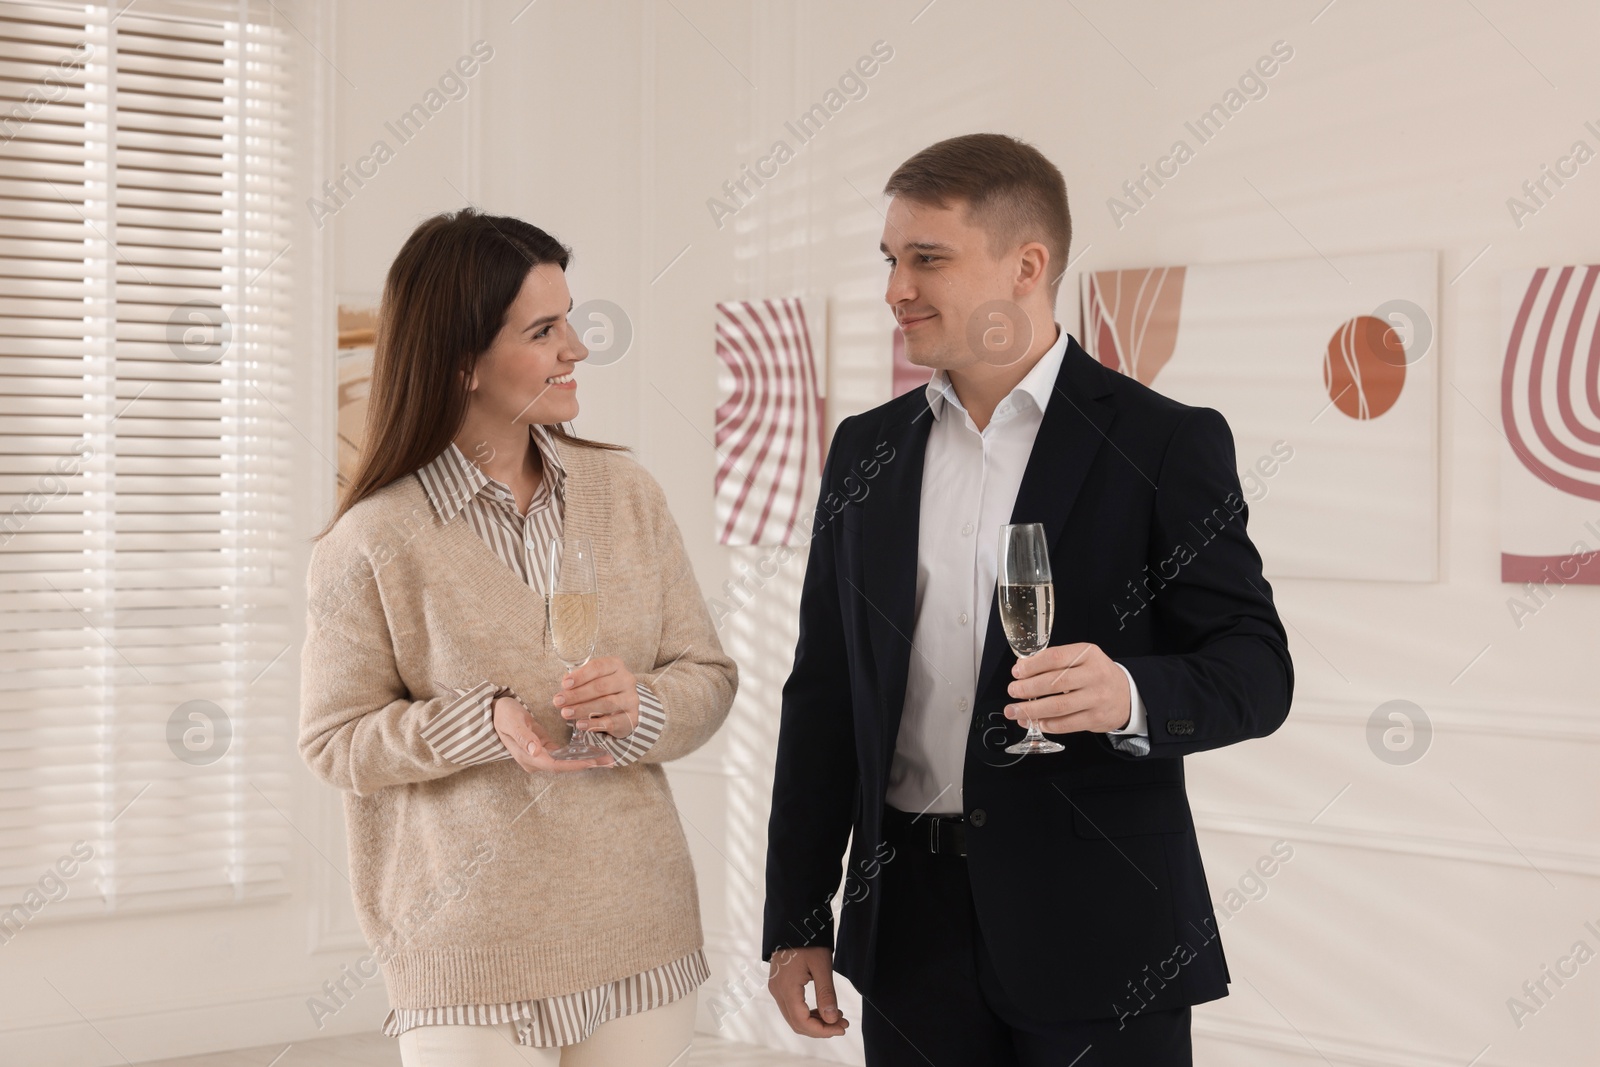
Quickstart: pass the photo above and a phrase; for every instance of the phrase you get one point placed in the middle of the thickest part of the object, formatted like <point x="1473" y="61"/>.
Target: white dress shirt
<point x="970" y="479"/>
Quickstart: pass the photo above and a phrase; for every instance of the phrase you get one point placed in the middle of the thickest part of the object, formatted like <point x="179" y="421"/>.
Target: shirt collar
<point x="1035" y="387"/>
<point x="452" y="480"/>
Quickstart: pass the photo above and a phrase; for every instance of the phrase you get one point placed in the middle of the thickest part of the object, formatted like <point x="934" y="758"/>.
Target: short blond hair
<point x="1010" y="188"/>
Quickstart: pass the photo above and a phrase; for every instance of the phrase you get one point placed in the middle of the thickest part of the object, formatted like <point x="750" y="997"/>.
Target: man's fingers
<point x="1048" y="659"/>
<point x="1066" y="724"/>
<point x="1054" y="658"/>
<point x="1046" y="683"/>
<point x="1050" y="707"/>
<point x="827" y="1002"/>
<point x="806" y="1021"/>
<point x="791" y="970"/>
<point x="788" y="988"/>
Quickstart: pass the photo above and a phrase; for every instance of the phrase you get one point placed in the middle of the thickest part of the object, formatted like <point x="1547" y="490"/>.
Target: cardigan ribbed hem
<point x="425" y="978"/>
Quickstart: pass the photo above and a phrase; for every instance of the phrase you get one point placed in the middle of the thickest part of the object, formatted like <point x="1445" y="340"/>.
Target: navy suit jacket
<point x="1145" y="517"/>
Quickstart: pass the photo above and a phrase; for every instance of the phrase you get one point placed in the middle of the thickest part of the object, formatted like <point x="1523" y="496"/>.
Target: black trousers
<point x="938" y="1002"/>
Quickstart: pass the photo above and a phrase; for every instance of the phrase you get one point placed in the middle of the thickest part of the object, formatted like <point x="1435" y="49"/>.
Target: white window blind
<point x="146" y="708"/>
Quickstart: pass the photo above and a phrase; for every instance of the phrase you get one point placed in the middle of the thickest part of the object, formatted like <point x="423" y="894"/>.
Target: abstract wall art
<point x="1550" y="412"/>
<point x="770" y="432"/>
<point x="1326" y="371"/>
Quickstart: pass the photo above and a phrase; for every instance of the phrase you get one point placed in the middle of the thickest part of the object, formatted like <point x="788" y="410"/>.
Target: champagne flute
<point x="1027" y="607"/>
<point x="572" y="623"/>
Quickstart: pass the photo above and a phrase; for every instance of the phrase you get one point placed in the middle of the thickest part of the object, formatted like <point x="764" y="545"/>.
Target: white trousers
<point x="656" y="1038"/>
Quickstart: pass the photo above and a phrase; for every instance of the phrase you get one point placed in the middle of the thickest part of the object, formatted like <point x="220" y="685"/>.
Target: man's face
<point x="945" y="283"/>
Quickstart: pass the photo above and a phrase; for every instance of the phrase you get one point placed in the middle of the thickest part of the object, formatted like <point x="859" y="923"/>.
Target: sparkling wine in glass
<point x="572" y="623"/>
<point x="1027" y="607"/>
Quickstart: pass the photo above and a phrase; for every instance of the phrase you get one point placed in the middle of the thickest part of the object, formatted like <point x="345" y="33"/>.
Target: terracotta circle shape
<point x="1365" y="367"/>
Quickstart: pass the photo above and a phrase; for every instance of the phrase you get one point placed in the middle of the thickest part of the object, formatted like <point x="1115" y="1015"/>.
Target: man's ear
<point x="1032" y="268"/>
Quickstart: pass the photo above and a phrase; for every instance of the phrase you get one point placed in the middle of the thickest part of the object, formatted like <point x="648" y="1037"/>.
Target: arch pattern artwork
<point x="1550" y="411"/>
<point x="770" y="435"/>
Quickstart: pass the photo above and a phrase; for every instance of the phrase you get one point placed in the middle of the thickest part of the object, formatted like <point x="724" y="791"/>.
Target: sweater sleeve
<point x="692" y="680"/>
<point x="360" y="729"/>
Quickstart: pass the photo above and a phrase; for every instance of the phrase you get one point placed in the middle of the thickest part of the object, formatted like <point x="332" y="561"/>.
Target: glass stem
<point x="1034" y="733"/>
<point x="580" y="736"/>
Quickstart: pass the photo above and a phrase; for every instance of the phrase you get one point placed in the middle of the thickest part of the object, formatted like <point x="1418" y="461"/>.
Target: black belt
<point x="939" y="834"/>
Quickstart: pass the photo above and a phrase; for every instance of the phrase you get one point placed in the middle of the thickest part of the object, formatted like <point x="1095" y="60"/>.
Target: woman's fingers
<point x="601" y="695"/>
<point x="615" y="723"/>
<point x="603" y="676"/>
<point x="545" y="762"/>
<point x="517" y="730"/>
<point x="608" y="686"/>
<point x="536" y="757"/>
<point x="615" y="714"/>
<point x="528" y="743"/>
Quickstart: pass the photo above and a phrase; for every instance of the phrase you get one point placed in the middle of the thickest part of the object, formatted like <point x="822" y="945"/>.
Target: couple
<point x="1045" y="909"/>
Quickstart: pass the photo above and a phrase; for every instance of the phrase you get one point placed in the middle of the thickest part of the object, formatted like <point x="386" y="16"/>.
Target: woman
<point x="524" y="909"/>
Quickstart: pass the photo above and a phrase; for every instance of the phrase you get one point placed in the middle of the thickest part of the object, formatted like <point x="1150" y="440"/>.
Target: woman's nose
<point x="576" y="351"/>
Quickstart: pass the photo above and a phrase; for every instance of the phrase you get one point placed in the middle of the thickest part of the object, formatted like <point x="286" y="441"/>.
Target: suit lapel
<point x="889" y="555"/>
<point x="1071" y="433"/>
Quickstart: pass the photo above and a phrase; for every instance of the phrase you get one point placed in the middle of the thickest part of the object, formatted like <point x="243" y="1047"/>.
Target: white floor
<point x="375" y="1050"/>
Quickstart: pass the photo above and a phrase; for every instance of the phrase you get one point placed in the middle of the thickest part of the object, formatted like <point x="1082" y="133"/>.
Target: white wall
<point x="1425" y="895"/>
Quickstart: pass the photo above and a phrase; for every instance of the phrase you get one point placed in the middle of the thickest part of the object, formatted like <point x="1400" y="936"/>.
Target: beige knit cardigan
<point x="488" y="884"/>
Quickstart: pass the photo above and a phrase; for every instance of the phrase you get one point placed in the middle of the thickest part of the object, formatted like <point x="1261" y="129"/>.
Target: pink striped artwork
<point x="1550" y="408"/>
<point x="770" y="435"/>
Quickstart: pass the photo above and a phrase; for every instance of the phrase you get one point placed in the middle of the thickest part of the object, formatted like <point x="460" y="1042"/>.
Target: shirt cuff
<point x="1134" y="738"/>
<point x="463" y="732"/>
<point x="652" y="720"/>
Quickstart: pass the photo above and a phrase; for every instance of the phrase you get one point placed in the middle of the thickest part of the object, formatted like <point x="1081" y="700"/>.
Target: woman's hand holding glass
<point x="529" y="745"/>
<point x="602" y="695"/>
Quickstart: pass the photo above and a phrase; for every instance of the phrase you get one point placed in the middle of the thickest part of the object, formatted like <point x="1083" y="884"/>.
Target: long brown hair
<point x="443" y="304"/>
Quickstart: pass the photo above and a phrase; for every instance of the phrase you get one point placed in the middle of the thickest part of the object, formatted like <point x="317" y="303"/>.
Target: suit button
<point x="978" y="817"/>
<point x="1180" y="727"/>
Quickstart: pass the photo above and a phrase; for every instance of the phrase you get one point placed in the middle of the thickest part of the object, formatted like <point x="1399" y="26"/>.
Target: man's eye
<point x="889" y="260"/>
<point x="927" y="259"/>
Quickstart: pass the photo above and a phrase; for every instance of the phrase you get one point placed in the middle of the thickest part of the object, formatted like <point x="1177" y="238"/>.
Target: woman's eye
<point x="543" y="333"/>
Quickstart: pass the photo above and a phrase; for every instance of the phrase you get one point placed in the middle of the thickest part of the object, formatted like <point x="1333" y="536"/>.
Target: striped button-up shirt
<point x="463" y="732"/>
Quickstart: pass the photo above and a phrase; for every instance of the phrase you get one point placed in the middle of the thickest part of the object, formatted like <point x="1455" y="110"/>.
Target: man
<point x="1003" y="909"/>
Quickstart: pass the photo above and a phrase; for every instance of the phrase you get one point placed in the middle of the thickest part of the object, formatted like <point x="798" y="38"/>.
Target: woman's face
<point x="526" y="375"/>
